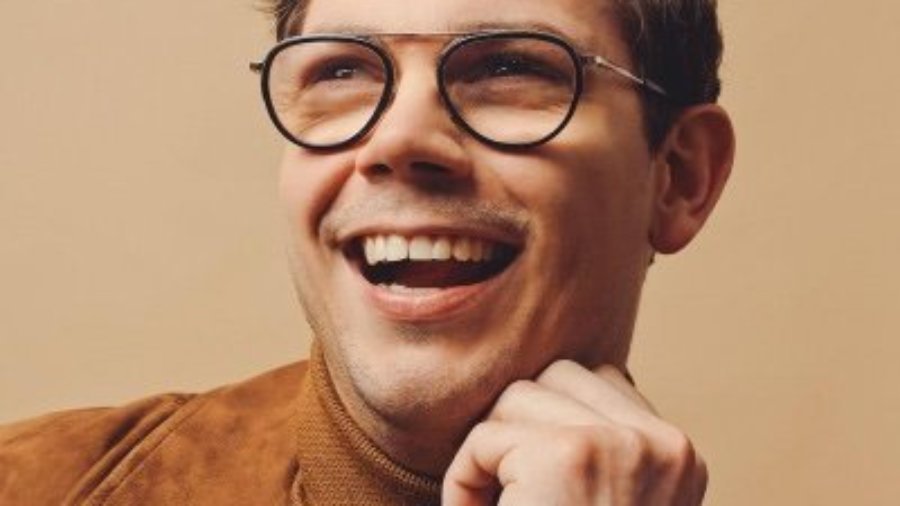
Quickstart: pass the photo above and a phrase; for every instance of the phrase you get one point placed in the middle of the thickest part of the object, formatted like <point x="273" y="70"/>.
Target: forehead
<point x="588" y="23"/>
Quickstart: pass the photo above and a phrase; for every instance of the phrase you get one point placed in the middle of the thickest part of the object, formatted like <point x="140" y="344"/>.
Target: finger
<point x="624" y="382"/>
<point x="518" y="494"/>
<point x="527" y="401"/>
<point x="605" y="391"/>
<point x="690" y="473"/>
<point x="699" y="483"/>
<point x="524" y="465"/>
<point x="680" y="477"/>
<point x="474" y="478"/>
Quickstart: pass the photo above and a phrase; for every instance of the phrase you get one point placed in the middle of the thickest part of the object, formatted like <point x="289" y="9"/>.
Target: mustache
<point x="388" y="207"/>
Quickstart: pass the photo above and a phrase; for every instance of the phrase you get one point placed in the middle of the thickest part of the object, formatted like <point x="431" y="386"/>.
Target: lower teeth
<point x="406" y="290"/>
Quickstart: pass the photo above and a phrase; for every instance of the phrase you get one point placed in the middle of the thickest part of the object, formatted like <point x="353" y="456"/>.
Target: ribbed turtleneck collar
<point x="338" y="463"/>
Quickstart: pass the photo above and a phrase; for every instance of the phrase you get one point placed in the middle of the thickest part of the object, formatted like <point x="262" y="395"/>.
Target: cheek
<point x="589" y="200"/>
<point x="608" y="190"/>
<point x="588" y="195"/>
<point x="308" y="186"/>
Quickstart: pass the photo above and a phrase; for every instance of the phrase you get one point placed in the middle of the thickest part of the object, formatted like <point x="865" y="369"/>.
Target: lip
<point x="439" y="306"/>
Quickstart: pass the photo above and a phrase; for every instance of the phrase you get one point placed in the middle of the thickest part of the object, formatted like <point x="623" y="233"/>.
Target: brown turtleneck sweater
<point x="282" y="438"/>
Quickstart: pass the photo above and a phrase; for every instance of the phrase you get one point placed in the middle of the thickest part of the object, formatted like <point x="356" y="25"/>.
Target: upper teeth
<point x="396" y="248"/>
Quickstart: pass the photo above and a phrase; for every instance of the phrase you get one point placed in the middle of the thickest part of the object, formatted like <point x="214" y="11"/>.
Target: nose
<point x="415" y="139"/>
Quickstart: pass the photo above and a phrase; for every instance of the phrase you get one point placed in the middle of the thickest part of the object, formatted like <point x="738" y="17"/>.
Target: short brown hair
<point x="676" y="43"/>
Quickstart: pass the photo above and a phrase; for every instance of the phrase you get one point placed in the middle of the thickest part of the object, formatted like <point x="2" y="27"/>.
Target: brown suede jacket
<point x="282" y="438"/>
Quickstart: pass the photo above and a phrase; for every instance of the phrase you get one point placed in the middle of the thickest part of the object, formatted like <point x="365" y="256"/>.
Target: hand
<point x="575" y="437"/>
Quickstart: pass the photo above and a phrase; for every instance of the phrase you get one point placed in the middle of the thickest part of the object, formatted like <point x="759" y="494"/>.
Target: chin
<point x="420" y="388"/>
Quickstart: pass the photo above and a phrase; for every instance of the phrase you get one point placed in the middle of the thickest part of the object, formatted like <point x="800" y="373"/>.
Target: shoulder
<point x="43" y="458"/>
<point x="67" y="457"/>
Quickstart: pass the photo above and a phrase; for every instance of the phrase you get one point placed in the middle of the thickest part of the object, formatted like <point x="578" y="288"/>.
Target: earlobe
<point x="691" y="169"/>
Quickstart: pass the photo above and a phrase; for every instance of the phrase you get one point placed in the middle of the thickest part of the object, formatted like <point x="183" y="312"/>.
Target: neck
<point x="350" y="467"/>
<point x="424" y="446"/>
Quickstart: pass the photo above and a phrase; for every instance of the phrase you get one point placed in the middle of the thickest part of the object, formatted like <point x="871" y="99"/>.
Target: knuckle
<point x="607" y="370"/>
<point x="480" y="431"/>
<point x="680" y="448"/>
<point x="632" y="449"/>
<point x="519" y="388"/>
<point x="576" y="450"/>
<point x="559" y="367"/>
<point x="678" y="453"/>
<point x="513" y="393"/>
<point x="632" y="440"/>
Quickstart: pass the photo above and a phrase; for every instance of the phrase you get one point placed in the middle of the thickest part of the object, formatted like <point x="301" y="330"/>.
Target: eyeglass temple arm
<point x="256" y="67"/>
<point x="649" y="84"/>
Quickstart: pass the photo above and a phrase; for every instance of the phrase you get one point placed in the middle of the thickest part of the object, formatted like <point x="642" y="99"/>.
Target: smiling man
<point x="474" y="192"/>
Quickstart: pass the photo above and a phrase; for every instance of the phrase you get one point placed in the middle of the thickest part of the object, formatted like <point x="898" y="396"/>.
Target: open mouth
<point x="396" y="262"/>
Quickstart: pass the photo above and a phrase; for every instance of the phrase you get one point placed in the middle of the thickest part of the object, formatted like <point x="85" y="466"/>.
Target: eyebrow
<point x="479" y="26"/>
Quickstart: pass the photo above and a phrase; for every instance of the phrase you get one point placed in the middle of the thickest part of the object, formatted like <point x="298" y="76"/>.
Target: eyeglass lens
<point x="509" y="90"/>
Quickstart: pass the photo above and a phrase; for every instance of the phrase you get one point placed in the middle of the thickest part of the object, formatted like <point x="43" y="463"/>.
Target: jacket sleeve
<point x="46" y="460"/>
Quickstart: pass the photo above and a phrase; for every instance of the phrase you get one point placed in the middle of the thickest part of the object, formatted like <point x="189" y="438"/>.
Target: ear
<point x="691" y="168"/>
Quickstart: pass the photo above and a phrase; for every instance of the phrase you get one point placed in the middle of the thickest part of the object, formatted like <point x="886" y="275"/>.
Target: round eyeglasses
<point x="508" y="89"/>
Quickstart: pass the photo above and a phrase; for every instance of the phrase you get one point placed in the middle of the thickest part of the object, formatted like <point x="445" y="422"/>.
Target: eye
<point x="509" y="65"/>
<point x="338" y="71"/>
<point x="518" y="66"/>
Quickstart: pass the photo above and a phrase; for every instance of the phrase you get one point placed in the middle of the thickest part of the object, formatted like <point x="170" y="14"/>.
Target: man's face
<point x="574" y="215"/>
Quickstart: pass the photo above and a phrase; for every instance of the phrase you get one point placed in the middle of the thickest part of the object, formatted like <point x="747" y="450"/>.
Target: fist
<point x="575" y="437"/>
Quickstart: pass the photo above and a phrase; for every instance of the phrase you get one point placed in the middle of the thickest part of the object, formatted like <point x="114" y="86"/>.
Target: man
<point x="474" y="191"/>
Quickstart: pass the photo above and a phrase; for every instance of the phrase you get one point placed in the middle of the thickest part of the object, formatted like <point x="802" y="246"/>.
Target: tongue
<point x="437" y="274"/>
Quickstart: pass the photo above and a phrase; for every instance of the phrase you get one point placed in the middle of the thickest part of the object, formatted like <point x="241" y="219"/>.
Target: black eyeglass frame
<point x="579" y="60"/>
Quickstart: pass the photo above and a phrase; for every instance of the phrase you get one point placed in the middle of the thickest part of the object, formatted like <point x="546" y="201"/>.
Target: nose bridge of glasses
<point x="415" y="95"/>
<point x="412" y="55"/>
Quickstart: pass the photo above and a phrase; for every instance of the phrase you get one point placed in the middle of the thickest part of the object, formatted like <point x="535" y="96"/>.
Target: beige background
<point x="141" y="245"/>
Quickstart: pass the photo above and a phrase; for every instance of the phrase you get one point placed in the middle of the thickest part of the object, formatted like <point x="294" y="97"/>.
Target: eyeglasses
<point x="508" y="89"/>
